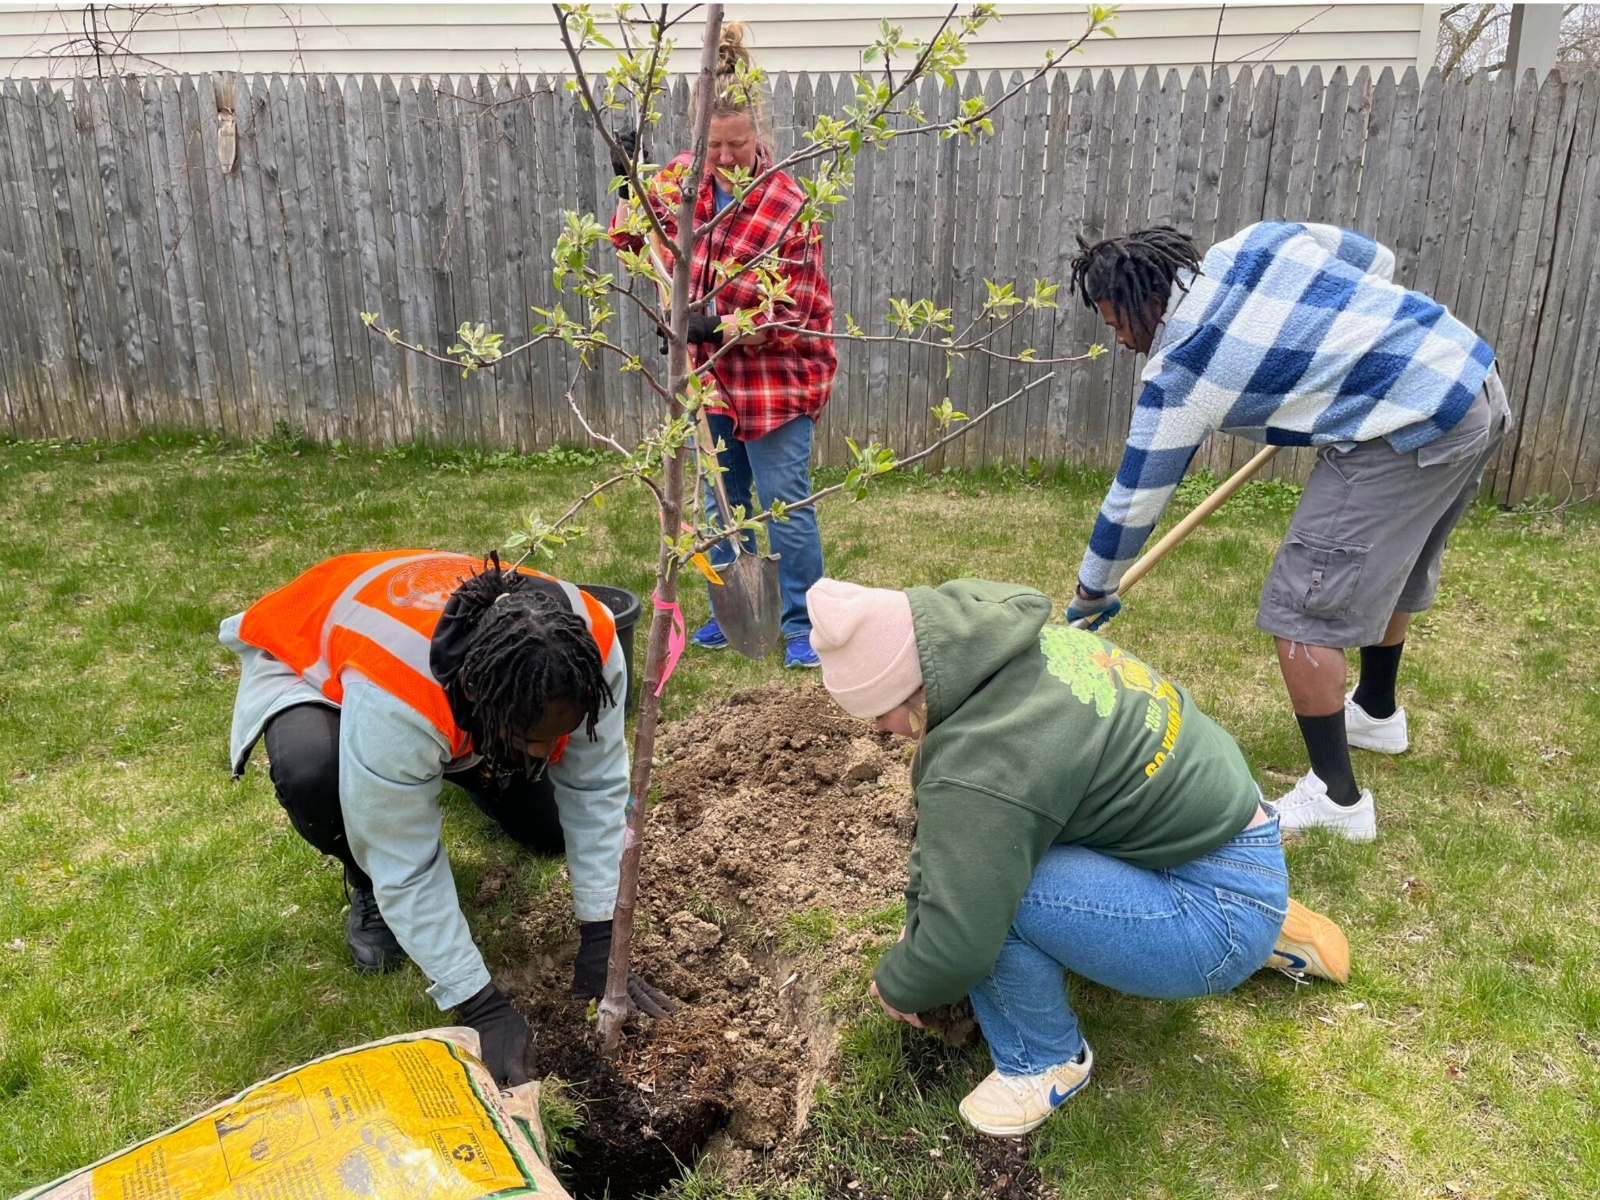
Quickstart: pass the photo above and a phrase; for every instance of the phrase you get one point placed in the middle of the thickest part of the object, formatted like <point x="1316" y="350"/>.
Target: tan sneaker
<point x="1311" y="944"/>
<point x="1012" y="1105"/>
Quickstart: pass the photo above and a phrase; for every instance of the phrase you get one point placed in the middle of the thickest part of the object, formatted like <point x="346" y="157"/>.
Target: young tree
<point x="672" y="457"/>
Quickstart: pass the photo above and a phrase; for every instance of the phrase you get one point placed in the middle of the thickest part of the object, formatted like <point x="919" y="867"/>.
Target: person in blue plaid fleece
<point x="1297" y="335"/>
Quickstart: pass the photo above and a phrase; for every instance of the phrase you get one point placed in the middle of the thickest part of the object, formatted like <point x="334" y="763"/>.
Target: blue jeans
<point x="1192" y="930"/>
<point x="776" y="466"/>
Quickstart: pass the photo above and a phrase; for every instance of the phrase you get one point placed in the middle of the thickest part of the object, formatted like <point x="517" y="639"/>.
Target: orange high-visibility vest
<point x="377" y="612"/>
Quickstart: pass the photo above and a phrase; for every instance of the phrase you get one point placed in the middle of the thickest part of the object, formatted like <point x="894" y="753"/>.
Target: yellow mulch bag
<point x="403" y="1118"/>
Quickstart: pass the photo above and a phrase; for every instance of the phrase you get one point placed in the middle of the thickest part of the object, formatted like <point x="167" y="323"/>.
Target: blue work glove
<point x="1093" y="611"/>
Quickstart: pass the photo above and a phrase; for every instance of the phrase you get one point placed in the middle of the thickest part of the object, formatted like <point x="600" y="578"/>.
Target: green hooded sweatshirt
<point x="1040" y="735"/>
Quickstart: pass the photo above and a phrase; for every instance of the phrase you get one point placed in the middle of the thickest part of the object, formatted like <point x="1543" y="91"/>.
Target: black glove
<point x="589" y="973"/>
<point x="503" y="1035"/>
<point x="628" y="140"/>
<point x="703" y="328"/>
<point x="594" y="948"/>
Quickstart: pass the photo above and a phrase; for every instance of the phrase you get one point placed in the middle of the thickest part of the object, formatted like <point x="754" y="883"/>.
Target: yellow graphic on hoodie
<point x="1094" y="669"/>
<point x="1072" y="656"/>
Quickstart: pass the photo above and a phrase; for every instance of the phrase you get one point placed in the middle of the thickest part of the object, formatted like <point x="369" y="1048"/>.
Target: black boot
<point x="371" y="942"/>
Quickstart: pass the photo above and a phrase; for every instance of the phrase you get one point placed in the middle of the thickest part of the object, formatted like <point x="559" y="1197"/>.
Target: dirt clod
<point x="953" y="1024"/>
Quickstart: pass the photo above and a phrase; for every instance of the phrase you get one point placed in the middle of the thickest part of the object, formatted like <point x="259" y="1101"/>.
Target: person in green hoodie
<point x="1075" y="809"/>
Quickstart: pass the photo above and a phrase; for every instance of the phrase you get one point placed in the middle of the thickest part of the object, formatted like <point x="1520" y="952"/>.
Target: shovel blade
<point x="749" y="605"/>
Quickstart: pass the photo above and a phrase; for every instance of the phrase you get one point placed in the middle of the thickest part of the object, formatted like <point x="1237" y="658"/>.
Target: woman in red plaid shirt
<point x="774" y="382"/>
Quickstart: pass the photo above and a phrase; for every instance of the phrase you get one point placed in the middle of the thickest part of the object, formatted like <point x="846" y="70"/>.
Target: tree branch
<point x="572" y="403"/>
<point x="479" y="363"/>
<point x="979" y="346"/>
<point x="967" y="427"/>
<point x="578" y="504"/>
<point x="820" y="150"/>
<point x="581" y="78"/>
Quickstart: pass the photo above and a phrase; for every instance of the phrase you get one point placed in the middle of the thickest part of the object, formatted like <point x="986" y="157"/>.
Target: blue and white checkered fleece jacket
<point x="1293" y="335"/>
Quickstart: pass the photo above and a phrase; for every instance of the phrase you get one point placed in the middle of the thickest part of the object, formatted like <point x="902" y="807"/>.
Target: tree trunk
<point x="614" y="1006"/>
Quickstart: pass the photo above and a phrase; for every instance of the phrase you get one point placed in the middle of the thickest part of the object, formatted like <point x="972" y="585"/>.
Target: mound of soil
<point x="767" y="807"/>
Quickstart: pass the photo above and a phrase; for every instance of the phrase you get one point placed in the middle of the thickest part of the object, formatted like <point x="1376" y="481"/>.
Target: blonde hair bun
<point x="731" y="51"/>
<point x="731" y="96"/>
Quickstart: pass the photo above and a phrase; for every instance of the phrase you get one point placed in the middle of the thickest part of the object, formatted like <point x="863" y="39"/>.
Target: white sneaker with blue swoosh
<point x="1012" y="1105"/>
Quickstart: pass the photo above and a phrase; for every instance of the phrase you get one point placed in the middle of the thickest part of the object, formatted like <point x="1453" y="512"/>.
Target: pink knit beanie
<point x="866" y="643"/>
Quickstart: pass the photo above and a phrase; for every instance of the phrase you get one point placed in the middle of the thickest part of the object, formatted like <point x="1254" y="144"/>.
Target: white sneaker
<point x="1012" y="1105"/>
<point x="1307" y="806"/>
<point x="1364" y="732"/>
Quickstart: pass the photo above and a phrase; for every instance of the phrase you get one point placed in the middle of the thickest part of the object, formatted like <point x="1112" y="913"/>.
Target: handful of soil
<point x="956" y="1025"/>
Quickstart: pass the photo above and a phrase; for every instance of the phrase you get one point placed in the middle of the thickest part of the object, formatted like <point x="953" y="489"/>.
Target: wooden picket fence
<point x="156" y="275"/>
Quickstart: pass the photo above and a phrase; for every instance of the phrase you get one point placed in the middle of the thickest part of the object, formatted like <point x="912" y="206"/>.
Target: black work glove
<point x="628" y="140"/>
<point x="589" y="973"/>
<point x="703" y="328"/>
<point x="503" y="1035"/>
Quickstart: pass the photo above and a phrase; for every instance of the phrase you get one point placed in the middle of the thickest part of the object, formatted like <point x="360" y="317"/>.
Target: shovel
<point x="1187" y="526"/>
<point x="748" y="603"/>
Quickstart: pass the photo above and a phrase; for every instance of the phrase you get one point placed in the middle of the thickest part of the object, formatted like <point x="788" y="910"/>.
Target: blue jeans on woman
<point x="775" y="466"/>
<point x="1192" y="930"/>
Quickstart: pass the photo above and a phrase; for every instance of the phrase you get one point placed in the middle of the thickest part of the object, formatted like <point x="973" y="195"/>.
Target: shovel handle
<point x="710" y="448"/>
<point x="1200" y="512"/>
<point x="658" y="256"/>
<point x="658" y="259"/>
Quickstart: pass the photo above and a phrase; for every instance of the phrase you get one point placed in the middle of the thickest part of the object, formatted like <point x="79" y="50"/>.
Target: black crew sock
<point x="1380" y="667"/>
<point x="1330" y="755"/>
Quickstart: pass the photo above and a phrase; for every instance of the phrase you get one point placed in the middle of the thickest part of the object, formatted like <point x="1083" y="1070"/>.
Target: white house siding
<point x="53" y="41"/>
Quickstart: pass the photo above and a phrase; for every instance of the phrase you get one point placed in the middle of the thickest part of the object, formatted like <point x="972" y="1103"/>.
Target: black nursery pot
<point x="625" y="608"/>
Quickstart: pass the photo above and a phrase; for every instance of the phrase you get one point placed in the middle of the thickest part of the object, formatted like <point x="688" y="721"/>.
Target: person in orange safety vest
<point x="373" y="679"/>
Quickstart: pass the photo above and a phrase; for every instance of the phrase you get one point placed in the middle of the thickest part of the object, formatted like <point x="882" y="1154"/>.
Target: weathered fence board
<point x="147" y="283"/>
<point x="1029" y="413"/>
<point x="925" y="370"/>
<point x="1572" y="246"/>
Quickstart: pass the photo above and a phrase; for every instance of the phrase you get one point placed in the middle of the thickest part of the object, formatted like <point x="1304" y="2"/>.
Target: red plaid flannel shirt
<point x="789" y="375"/>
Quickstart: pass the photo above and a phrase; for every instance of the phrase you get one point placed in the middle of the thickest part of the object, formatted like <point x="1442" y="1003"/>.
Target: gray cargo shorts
<point x="1368" y="535"/>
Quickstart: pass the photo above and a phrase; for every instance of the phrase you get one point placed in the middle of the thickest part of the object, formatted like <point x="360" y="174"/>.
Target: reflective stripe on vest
<point x="405" y="643"/>
<point x="380" y="621"/>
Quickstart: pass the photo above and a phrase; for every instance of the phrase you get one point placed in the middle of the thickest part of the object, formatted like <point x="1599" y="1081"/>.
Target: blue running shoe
<point x="799" y="654"/>
<point x="710" y="636"/>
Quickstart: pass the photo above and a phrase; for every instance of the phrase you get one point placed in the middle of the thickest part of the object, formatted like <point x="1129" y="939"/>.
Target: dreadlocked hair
<point x="1128" y="271"/>
<point x="528" y="650"/>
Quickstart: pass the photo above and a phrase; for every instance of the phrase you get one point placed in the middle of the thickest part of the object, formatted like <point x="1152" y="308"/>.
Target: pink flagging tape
<point x="677" y="639"/>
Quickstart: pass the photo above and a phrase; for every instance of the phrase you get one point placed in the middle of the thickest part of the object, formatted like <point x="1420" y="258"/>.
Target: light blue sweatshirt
<point x="392" y="762"/>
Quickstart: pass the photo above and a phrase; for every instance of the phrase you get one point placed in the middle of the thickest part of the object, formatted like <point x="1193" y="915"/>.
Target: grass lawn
<point x="166" y="939"/>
